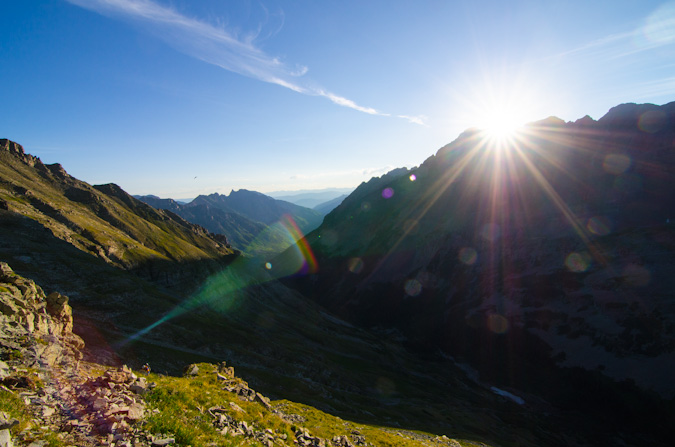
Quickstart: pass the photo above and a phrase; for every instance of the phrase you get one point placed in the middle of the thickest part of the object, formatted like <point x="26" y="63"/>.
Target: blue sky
<point x="179" y="98"/>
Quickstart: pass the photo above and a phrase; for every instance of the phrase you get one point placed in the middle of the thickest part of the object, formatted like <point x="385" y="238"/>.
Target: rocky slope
<point x="61" y="401"/>
<point x="35" y="327"/>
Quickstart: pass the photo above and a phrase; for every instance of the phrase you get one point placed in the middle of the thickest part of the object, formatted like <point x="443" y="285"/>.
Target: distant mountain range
<point x="251" y="220"/>
<point x="312" y="198"/>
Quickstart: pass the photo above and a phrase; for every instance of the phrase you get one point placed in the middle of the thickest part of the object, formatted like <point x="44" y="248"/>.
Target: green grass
<point x="15" y="407"/>
<point x="183" y="405"/>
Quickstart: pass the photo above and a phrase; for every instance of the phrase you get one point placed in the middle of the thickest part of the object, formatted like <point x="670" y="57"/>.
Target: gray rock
<point x="191" y="370"/>
<point x="140" y="386"/>
<point x="163" y="442"/>
<point x="263" y="400"/>
<point x="4" y="370"/>
<point x="236" y="408"/>
<point x="6" y="422"/>
<point x="5" y="438"/>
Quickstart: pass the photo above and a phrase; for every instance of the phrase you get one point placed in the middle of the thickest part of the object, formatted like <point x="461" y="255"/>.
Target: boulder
<point x="263" y="400"/>
<point x="140" y="386"/>
<point x="191" y="370"/>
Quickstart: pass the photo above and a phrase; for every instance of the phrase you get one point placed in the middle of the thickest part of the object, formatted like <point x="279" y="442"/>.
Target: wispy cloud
<point x="659" y="87"/>
<point x="218" y="46"/>
<point x="339" y="100"/>
<point x="656" y="31"/>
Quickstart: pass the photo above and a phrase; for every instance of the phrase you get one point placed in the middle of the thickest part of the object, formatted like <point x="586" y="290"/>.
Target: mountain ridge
<point x="555" y="252"/>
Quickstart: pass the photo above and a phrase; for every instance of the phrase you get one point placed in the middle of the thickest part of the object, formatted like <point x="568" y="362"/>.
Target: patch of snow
<point x="513" y="397"/>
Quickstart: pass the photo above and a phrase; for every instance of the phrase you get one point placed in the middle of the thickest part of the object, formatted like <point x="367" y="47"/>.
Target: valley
<point x="513" y="298"/>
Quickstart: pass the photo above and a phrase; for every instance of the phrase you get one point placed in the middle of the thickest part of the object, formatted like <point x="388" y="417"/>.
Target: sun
<point x="500" y="104"/>
<point x="501" y="123"/>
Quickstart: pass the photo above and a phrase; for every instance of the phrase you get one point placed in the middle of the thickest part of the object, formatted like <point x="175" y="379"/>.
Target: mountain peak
<point x="11" y="147"/>
<point x="16" y="150"/>
<point x="585" y="121"/>
<point x="246" y="192"/>
<point x="647" y="117"/>
<point x="551" y="121"/>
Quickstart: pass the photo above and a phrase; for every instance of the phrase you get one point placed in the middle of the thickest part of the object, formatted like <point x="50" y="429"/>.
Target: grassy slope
<point x="183" y="404"/>
<point x="103" y="220"/>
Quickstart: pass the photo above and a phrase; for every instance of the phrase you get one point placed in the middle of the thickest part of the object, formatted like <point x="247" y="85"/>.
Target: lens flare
<point x="412" y="287"/>
<point x="652" y="121"/>
<point x="387" y="193"/>
<point x="616" y="163"/>
<point x="497" y="323"/>
<point x="577" y="262"/>
<point x="355" y="265"/>
<point x="468" y="255"/>
<point x="222" y="292"/>
<point x="600" y="226"/>
<point x="308" y="261"/>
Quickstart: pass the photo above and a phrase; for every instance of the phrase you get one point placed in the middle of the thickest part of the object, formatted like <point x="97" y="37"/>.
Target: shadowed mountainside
<point x="327" y="207"/>
<point x="546" y="261"/>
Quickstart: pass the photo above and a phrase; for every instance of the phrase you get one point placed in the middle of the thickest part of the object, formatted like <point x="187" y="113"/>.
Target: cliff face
<point x="34" y="327"/>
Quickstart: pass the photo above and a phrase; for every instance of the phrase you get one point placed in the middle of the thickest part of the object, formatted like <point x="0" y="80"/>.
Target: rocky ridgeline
<point x="16" y="150"/>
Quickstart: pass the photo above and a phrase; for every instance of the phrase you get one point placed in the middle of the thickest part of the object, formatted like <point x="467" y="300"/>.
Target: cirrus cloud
<point x="218" y="46"/>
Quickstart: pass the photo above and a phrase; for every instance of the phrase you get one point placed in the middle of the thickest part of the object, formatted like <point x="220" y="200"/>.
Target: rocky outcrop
<point x="17" y="150"/>
<point x="35" y="326"/>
